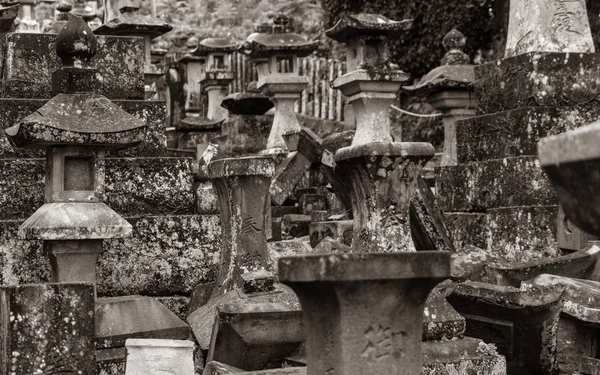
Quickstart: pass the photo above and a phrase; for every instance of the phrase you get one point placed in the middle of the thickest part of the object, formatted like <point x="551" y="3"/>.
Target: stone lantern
<point x="76" y="128"/>
<point x="132" y="23"/>
<point x="275" y="50"/>
<point x="380" y="287"/>
<point x="448" y="88"/>
<point x="217" y="74"/>
<point x="62" y="17"/>
<point x="194" y="67"/>
<point x="28" y="22"/>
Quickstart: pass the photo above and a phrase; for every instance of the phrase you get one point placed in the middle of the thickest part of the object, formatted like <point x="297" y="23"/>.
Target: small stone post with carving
<point x="363" y="310"/>
<point x="275" y="50"/>
<point x="448" y="88"/>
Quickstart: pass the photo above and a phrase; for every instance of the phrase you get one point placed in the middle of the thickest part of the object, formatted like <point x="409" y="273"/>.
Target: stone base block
<point x="133" y="186"/>
<point x="537" y="79"/>
<point x="489" y="184"/>
<point x="166" y="255"/>
<point x="340" y="230"/>
<point x="146" y="356"/>
<point x="119" y="318"/>
<point x="152" y="112"/>
<point x="516" y="132"/>
<point x="278" y="249"/>
<point x="111" y="361"/>
<point x="294" y="226"/>
<point x="27" y="74"/>
<point x="47" y="329"/>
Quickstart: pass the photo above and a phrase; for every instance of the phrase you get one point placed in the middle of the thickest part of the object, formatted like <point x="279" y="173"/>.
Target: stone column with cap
<point x="275" y="50"/>
<point x="448" y="88"/>
<point x="379" y="289"/>
<point x="249" y="321"/>
<point x="497" y="197"/>
<point x="132" y="23"/>
<point x="28" y="24"/>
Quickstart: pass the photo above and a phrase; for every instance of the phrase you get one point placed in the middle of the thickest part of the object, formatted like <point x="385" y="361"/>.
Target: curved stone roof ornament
<point x="548" y="26"/>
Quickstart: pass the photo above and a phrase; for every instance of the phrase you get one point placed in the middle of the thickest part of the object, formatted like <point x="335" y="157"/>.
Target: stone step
<point x="537" y="79"/>
<point x="507" y="182"/>
<point x="516" y="132"/>
<point x="512" y="234"/>
<point x="151" y="111"/>
<point x="28" y="61"/>
<point x="166" y="256"/>
<point x="134" y="186"/>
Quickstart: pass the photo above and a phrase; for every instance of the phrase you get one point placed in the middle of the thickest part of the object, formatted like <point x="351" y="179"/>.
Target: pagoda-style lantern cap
<point x="8" y="14"/>
<point x="192" y="52"/>
<point x="77" y="115"/>
<point x="216" y="51"/>
<point x="132" y="22"/>
<point x="268" y="40"/>
<point x="456" y="72"/>
<point x="366" y="37"/>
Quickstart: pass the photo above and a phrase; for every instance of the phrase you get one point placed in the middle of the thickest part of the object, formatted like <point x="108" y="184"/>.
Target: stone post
<point x="275" y="51"/>
<point x="448" y="88"/>
<point x="28" y="23"/>
<point x="194" y="67"/>
<point x="74" y="221"/>
<point x="132" y="23"/>
<point x="380" y="287"/>
<point x="242" y="186"/>
<point x="218" y="74"/>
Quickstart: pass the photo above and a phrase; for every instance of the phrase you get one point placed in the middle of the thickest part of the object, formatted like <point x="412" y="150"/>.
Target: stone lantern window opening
<point x="286" y="64"/>
<point x="217" y="61"/>
<point x="73" y="174"/>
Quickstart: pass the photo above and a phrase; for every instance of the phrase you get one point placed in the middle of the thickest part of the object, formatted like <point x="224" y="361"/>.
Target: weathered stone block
<point x="191" y="139"/>
<point x="177" y="305"/>
<point x="294" y="226"/>
<point x="312" y="202"/>
<point x="152" y="112"/>
<point x="537" y="79"/>
<point x="150" y="186"/>
<point x="517" y="131"/>
<point x="166" y="255"/>
<point x="31" y="59"/>
<point x="205" y="198"/>
<point x="278" y="249"/>
<point x="47" y="329"/>
<point x="505" y="182"/>
<point x="151" y="356"/>
<point x="466" y="228"/>
<point x="21" y="187"/>
<point x="522" y="234"/>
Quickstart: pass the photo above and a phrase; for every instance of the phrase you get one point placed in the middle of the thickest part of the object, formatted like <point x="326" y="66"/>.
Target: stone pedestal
<point x="369" y="293"/>
<point x="47" y="329"/>
<point x="151" y="356"/>
<point x="73" y="261"/>
<point x="283" y="92"/>
<point x="382" y="178"/>
<point x="216" y="85"/>
<point x="242" y="186"/>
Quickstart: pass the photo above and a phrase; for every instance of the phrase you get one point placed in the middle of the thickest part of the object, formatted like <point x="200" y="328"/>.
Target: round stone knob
<point x="76" y="44"/>
<point x="64" y="7"/>
<point x="454" y="42"/>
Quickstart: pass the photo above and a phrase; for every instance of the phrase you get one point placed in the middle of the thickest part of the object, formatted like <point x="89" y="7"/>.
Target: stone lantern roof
<point x="77" y="115"/>
<point x="8" y="15"/>
<point x="132" y="22"/>
<point x="209" y="45"/>
<point x="276" y="38"/>
<point x="356" y="25"/>
<point x="456" y="72"/>
<point x="192" y="52"/>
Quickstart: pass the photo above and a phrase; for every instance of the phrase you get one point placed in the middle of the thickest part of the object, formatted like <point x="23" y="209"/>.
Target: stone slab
<point x="30" y="60"/>
<point x="167" y="255"/>
<point x="134" y="186"/>
<point x="244" y="134"/>
<point x="466" y="228"/>
<point x="489" y="184"/>
<point x="152" y="356"/>
<point x="516" y="132"/>
<point x="537" y="79"/>
<point x="152" y="112"/>
<point x="47" y="329"/>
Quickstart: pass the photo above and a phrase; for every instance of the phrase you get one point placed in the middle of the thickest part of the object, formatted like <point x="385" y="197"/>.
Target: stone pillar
<point x="242" y="186"/>
<point x="380" y="296"/>
<point x="154" y="356"/>
<point x="47" y="329"/>
<point x="275" y="49"/>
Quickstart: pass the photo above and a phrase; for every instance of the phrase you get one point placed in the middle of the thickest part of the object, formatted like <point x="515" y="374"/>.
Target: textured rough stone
<point x="31" y="59"/>
<point x="47" y="328"/>
<point x="167" y="255"/>
<point x="548" y="25"/>
<point x="516" y="132"/>
<point x="466" y="228"/>
<point x="465" y="356"/>
<point x="244" y="134"/>
<point x="340" y="230"/>
<point x="537" y="79"/>
<point x="294" y="226"/>
<point x="468" y="263"/>
<point x="151" y="112"/>
<point x="491" y="184"/>
<point x="177" y="305"/>
<point x="205" y="198"/>
<point x="133" y="186"/>
<point x="278" y="249"/>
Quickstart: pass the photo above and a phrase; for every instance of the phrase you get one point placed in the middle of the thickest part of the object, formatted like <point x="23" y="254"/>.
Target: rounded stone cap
<point x="364" y="266"/>
<point x="76" y="43"/>
<point x="260" y="165"/>
<point x="573" y="146"/>
<point x="405" y="149"/>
